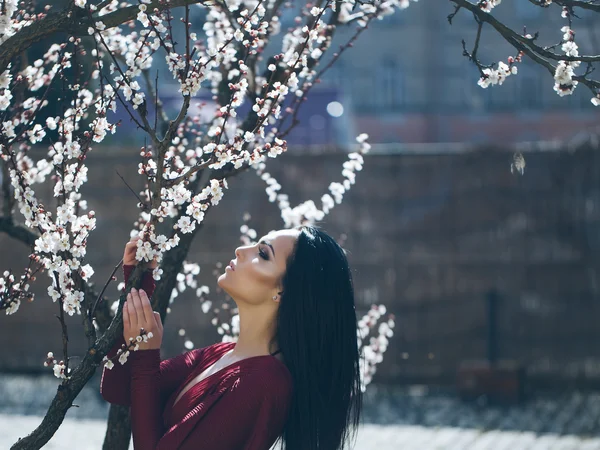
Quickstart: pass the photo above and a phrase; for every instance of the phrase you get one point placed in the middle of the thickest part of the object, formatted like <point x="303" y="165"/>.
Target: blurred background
<point x="491" y="276"/>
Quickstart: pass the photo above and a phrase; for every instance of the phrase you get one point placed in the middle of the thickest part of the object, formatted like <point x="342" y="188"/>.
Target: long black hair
<point x="317" y="335"/>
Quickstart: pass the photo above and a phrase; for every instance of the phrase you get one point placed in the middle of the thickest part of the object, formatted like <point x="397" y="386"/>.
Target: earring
<point x="274" y="297"/>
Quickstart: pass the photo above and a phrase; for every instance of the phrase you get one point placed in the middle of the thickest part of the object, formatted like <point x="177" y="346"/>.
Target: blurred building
<point x="405" y="79"/>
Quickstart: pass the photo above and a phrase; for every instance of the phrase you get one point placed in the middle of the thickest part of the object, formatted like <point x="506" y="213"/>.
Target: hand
<point x="138" y="314"/>
<point x="130" y="251"/>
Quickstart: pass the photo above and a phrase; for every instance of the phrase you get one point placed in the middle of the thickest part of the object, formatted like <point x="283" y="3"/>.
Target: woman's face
<point x="255" y="275"/>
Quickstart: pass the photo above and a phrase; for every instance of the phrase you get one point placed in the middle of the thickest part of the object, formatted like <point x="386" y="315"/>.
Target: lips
<point x="231" y="265"/>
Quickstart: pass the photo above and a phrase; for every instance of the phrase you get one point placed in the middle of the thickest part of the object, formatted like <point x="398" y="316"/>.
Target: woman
<point x="293" y="374"/>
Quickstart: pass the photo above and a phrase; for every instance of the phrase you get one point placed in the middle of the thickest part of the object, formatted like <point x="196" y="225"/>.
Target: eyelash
<point x="263" y="255"/>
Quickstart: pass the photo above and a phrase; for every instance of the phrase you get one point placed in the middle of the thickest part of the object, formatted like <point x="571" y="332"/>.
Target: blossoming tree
<point x="185" y="164"/>
<point x="563" y="66"/>
<point x="257" y="89"/>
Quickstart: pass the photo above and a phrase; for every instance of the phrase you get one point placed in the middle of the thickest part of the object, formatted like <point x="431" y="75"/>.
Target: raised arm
<point x="115" y="386"/>
<point x="115" y="383"/>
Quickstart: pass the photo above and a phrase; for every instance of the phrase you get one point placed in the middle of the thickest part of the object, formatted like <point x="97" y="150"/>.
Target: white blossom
<point x="53" y="293"/>
<point x="87" y="272"/>
<point x="570" y="48"/>
<point x="206" y="306"/>
<point x="123" y="357"/>
<point x="563" y="76"/>
<point x="488" y="5"/>
<point x="497" y="76"/>
<point x="59" y="371"/>
<point x="5" y="79"/>
<point x="186" y="225"/>
<point x="51" y="123"/>
<point x="14" y="306"/>
<point x="108" y="363"/>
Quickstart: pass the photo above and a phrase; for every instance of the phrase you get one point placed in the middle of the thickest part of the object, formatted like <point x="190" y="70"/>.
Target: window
<point x="337" y="75"/>
<point x="529" y="93"/>
<point x="389" y="86"/>
<point x="474" y="97"/>
<point x="363" y="90"/>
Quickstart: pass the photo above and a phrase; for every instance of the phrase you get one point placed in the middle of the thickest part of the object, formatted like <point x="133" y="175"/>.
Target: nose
<point x="240" y="251"/>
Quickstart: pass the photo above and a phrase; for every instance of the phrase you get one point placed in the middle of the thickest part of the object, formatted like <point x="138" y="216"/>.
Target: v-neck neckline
<point x="196" y="372"/>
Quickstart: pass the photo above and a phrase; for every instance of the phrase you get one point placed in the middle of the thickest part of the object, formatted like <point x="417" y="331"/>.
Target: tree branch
<point x="99" y="298"/>
<point x="8" y="200"/>
<point x="17" y="231"/>
<point x="28" y="237"/>
<point x="158" y="105"/>
<point x="70" y="388"/>
<point x="521" y="43"/>
<point x="506" y="32"/>
<point x="63" y="326"/>
<point x="72" y="20"/>
<point x="580" y="4"/>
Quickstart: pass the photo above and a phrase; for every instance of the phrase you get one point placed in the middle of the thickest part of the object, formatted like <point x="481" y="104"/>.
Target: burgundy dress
<point x="242" y="406"/>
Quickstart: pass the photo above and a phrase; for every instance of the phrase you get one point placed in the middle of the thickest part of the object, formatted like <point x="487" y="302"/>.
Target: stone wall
<point x="428" y="235"/>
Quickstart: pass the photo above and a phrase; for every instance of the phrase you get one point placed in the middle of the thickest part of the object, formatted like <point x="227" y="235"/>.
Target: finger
<point x="147" y="307"/>
<point x="133" y="321"/>
<point x="126" y="319"/>
<point x="132" y="242"/>
<point x="139" y="311"/>
<point x="130" y="247"/>
<point x="130" y="251"/>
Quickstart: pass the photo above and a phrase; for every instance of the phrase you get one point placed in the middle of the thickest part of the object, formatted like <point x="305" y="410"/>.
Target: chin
<point x="223" y="282"/>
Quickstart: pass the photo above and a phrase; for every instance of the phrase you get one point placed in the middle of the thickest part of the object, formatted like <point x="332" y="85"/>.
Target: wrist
<point x="144" y="348"/>
<point x="134" y="264"/>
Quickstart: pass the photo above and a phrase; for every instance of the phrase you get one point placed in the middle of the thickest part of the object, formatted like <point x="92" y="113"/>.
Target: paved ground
<point x="87" y="434"/>
<point x="395" y="419"/>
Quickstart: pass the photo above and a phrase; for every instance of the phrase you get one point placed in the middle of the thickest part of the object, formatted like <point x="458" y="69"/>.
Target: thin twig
<point x="93" y="310"/>
<point x="130" y="188"/>
<point x="61" y="319"/>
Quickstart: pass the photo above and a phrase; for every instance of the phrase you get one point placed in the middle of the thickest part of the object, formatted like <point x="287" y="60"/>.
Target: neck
<point x="257" y="328"/>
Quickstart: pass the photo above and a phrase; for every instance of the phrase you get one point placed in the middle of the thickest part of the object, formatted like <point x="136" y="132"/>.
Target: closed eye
<point x="263" y="254"/>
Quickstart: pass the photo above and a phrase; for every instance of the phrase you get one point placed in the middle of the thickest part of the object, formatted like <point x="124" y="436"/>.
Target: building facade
<point x="405" y="80"/>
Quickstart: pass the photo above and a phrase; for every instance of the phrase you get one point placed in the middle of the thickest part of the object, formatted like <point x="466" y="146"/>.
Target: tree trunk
<point x="69" y="389"/>
<point x="118" y="430"/>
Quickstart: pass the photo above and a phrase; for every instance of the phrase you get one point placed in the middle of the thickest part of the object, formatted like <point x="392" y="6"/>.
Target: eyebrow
<point x="267" y="243"/>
